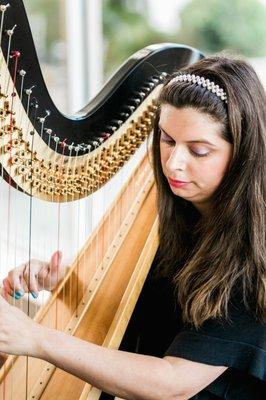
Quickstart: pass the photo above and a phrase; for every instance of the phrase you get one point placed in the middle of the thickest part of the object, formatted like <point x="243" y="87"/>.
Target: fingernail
<point x="34" y="295"/>
<point x="17" y="295"/>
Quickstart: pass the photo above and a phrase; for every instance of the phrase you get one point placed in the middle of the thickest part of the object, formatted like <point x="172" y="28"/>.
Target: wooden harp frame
<point x="104" y="298"/>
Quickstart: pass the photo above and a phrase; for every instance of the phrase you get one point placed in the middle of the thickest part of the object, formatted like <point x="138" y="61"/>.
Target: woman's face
<point x="192" y="151"/>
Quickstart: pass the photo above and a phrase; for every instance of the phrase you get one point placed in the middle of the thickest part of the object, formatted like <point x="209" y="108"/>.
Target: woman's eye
<point x="166" y="138"/>
<point x="199" y="153"/>
<point x="195" y="152"/>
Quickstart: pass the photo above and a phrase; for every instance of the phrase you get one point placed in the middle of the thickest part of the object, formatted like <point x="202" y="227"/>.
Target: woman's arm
<point x="127" y="375"/>
<point x="123" y="374"/>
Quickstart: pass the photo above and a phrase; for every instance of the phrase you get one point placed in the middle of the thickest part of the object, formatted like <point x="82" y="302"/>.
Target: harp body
<point x="59" y="159"/>
<point x="94" y="302"/>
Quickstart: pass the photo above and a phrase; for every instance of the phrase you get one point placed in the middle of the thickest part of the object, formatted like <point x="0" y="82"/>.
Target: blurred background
<point x="81" y="43"/>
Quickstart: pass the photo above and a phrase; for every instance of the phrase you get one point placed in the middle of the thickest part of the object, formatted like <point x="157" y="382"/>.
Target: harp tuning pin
<point x="22" y="72"/>
<point x="63" y="144"/>
<point x="56" y="139"/>
<point x="42" y="119"/>
<point x="34" y="104"/>
<point x="29" y="91"/>
<point x="140" y="94"/>
<point x="148" y="86"/>
<point x="105" y="135"/>
<point x="130" y="108"/>
<point x="3" y="7"/>
<point x="15" y="54"/>
<point x="82" y="147"/>
<point x="48" y="131"/>
<point x="117" y="122"/>
<point x="163" y="75"/>
<point x="70" y="147"/>
<point x="124" y="115"/>
<point x="10" y="32"/>
<point x="110" y="128"/>
<point x="155" y="79"/>
<point x="135" y="101"/>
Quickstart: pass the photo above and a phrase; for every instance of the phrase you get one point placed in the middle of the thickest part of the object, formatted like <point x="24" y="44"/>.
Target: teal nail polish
<point x="34" y="295"/>
<point x="17" y="295"/>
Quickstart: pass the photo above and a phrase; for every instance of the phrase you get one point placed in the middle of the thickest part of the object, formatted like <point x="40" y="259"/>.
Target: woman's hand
<point x="19" y="334"/>
<point x="33" y="276"/>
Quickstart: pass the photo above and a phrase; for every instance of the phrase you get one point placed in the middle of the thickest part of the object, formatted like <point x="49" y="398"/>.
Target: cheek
<point x="212" y="172"/>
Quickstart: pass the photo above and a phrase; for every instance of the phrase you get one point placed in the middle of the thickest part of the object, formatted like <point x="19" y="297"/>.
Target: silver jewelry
<point x="206" y="83"/>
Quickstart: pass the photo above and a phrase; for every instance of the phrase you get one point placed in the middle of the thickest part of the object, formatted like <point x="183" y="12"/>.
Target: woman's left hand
<point x="19" y="334"/>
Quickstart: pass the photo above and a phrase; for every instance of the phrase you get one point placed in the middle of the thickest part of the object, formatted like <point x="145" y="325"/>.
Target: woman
<point x="201" y="317"/>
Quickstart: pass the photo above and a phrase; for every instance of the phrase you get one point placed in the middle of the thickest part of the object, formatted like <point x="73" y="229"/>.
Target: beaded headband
<point x="206" y="83"/>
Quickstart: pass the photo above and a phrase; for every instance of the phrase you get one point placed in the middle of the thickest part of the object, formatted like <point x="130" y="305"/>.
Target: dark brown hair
<point x="208" y="256"/>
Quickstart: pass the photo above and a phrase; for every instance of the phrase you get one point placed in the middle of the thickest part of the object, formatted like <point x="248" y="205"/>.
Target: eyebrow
<point x="190" y="141"/>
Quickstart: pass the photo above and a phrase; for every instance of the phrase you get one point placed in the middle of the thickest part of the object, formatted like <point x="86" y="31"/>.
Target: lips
<point x="177" y="184"/>
<point x="176" y="180"/>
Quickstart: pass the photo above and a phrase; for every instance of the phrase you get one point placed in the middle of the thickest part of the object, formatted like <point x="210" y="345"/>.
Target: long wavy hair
<point x="207" y="257"/>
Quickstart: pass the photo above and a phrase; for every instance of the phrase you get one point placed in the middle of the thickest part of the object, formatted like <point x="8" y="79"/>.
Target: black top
<point x="156" y="329"/>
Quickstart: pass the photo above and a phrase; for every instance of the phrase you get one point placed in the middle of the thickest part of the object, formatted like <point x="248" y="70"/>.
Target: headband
<point x="206" y="83"/>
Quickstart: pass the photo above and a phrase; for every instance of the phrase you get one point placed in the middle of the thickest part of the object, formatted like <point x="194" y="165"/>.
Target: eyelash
<point x="199" y="155"/>
<point x="192" y="152"/>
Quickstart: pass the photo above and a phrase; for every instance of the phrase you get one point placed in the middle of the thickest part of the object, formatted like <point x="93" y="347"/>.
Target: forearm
<point x="123" y="374"/>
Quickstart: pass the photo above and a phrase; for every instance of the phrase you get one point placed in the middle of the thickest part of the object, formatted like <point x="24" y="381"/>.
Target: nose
<point x="176" y="160"/>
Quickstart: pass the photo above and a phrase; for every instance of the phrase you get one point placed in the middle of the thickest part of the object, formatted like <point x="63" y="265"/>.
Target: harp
<point x="61" y="160"/>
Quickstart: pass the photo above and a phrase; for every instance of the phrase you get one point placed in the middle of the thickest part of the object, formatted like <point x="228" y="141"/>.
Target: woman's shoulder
<point x="238" y="341"/>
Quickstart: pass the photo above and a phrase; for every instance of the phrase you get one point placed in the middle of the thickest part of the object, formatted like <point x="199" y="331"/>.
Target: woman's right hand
<point x="33" y="276"/>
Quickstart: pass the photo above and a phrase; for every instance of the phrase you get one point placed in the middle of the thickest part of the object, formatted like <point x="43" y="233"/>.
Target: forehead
<point x="189" y="124"/>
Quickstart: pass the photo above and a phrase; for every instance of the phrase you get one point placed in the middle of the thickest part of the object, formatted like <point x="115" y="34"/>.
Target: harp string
<point x="72" y="174"/>
<point x="78" y="227"/>
<point x="87" y="211"/>
<point x="69" y="173"/>
<point x="3" y="8"/>
<point x="59" y="226"/>
<point x="10" y="33"/>
<point x="32" y="134"/>
<point x="22" y="75"/>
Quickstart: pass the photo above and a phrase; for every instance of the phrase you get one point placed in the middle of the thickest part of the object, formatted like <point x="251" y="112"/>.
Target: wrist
<point x="48" y="342"/>
<point x="41" y="340"/>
